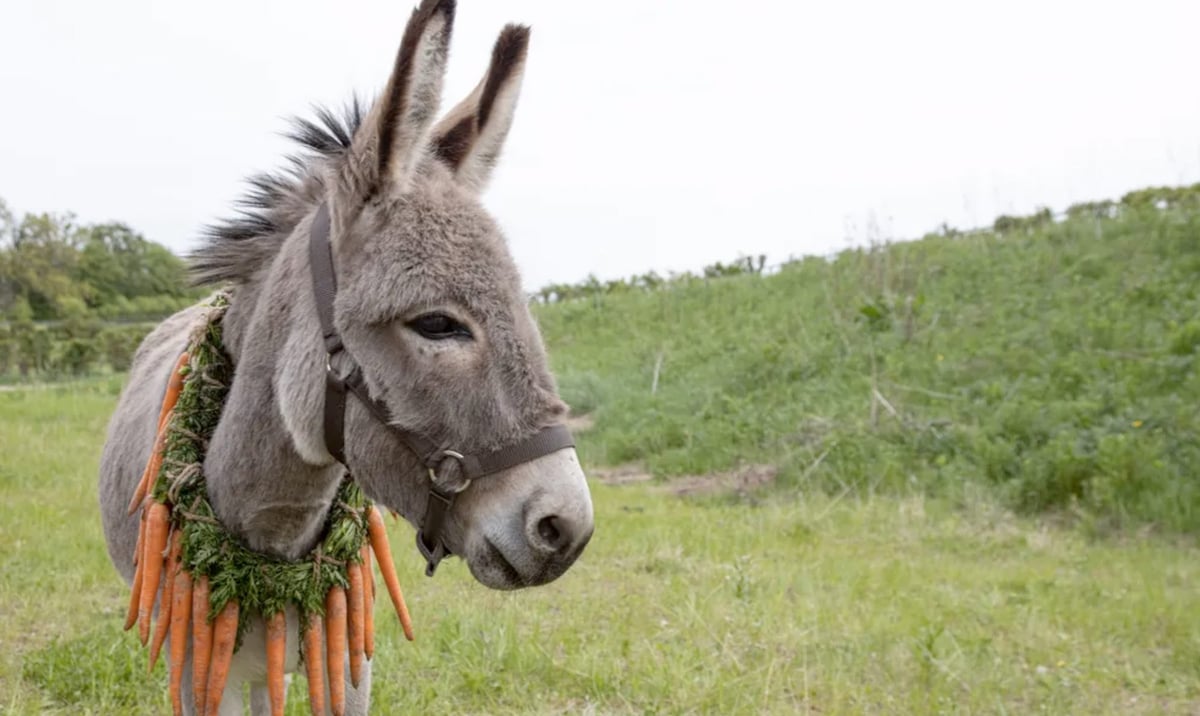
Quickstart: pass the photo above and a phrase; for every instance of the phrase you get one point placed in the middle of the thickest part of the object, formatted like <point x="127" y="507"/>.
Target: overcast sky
<point x="651" y="135"/>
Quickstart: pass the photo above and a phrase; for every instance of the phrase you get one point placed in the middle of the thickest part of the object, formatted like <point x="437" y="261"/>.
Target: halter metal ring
<point x="333" y="374"/>
<point x="434" y="477"/>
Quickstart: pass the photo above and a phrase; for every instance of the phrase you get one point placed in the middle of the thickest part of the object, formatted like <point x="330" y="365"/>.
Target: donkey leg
<point x="358" y="701"/>
<point x="231" y="701"/>
<point x="185" y="692"/>
<point x="260" y="696"/>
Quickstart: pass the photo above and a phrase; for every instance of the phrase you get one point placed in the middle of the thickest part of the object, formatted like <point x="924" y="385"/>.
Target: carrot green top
<point x="258" y="582"/>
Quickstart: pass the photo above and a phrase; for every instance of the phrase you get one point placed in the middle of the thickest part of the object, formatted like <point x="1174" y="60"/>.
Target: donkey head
<point x="430" y="306"/>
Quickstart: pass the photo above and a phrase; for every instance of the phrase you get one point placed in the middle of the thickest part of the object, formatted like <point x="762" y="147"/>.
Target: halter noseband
<point x="450" y="471"/>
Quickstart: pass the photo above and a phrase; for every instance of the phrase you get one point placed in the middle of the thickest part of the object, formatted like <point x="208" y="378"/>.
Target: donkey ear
<point x="391" y="142"/>
<point x="469" y="138"/>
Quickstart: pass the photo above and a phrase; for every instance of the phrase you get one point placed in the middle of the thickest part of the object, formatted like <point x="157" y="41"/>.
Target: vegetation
<point x="985" y="496"/>
<point x="1057" y="365"/>
<point x="791" y="602"/>
<point x="75" y="298"/>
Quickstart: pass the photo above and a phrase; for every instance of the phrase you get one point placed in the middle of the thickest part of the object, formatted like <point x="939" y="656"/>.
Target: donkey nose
<point x="554" y="533"/>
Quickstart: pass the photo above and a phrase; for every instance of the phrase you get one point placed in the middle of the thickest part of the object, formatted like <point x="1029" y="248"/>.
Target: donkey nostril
<point x="549" y="529"/>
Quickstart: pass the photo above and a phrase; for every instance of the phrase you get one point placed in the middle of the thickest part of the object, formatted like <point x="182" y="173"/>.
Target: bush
<point x="119" y="343"/>
<point x="1056" y="365"/>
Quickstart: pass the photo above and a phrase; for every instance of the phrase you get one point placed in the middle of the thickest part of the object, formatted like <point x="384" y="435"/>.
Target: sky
<point x="663" y="134"/>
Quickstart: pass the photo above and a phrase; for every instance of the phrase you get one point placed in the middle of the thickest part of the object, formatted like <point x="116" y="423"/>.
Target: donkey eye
<point x="438" y="327"/>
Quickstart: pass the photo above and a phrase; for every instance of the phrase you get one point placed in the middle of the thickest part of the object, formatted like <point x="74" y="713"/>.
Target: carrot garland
<point x="366" y="561"/>
<point x="368" y="605"/>
<point x="166" y="604"/>
<point x="199" y="605"/>
<point x="202" y="637"/>
<point x="225" y="628"/>
<point x="181" y="612"/>
<point x="276" y="652"/>
<point x="174" y="388"/>
<point x="314" y="636"/>
<point x="335" y="648"/>
<point x="383" y="553"/>
<point x="355" y="634"/>
<point x="156" y="544"/>
<point x="141" y="541"/>
<point x="131" y="615"/>
<point x="151" y="471"/>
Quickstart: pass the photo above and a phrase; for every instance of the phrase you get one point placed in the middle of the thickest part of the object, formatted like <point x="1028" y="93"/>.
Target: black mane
<point x="235" y="248"/>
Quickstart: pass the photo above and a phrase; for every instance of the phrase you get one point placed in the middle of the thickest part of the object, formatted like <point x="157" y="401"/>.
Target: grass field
<point x="784" y="603"/>
<point x="981" y="496"/>
<point x="1058" y="366"/>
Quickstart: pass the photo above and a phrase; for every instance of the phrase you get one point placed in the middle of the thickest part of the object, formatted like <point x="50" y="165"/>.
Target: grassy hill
<point x="1055" y="362"/>
<point x="895" y="392"/>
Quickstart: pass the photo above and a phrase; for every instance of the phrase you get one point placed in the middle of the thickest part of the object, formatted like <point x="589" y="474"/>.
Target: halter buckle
<point x="441" y="498"/>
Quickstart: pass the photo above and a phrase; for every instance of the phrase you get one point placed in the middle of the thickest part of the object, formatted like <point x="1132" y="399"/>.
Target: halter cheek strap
<point x="450" y="471"/>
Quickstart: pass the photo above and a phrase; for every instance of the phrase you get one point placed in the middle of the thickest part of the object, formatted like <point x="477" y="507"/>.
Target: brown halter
<point x="450" y="471"/>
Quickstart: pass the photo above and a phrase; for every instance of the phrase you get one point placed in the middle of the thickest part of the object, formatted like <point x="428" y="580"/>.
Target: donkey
<point x="428" y="306"/>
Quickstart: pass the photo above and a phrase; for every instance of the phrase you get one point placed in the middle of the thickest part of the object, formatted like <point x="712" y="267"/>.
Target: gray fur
<point x="410" y="236"/>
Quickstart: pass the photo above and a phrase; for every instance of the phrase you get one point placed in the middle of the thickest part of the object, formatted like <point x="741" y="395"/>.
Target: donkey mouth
<point x="510" y="577"/>
<point x="496" y="570"/>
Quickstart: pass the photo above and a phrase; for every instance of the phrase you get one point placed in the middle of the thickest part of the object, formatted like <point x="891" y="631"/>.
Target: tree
<point x="39" y="264"/>
<point x="117" y="261"/>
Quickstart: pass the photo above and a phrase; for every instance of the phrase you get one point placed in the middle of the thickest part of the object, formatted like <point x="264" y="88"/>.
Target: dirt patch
<point x="620" y="475"/>
<point x="741" y="480"/>
<point x="580" y="423"/>
<point x="744" y="479"/>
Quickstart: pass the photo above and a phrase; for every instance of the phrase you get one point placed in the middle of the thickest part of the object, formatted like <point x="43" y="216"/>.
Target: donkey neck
<point x="261" y="487"/>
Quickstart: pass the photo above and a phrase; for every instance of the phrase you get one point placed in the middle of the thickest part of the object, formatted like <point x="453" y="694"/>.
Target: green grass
<point x="987" y="501"/>
<point x="1059" y="367"/>
<point x="787" y="602"/>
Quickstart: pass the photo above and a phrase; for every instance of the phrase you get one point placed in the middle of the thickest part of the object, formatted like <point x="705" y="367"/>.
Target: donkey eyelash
<point x="439" y="327"/>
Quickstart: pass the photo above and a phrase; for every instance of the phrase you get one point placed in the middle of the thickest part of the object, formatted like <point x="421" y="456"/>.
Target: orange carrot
<point x="166" y="604"/>
<point x="181" y="613"/>
<point x="354" y="622"/>
<point x="156" y="544"/>
<point x="202" y="639"/>
<point x="383" y="554"/>
<point x="164" y="621"/>
<point x="366" y="551"/>
<point x="335" y="648"/>
<point x="368" y="605"/>
<point x="174" y="387"/>
<point x="313" y="665"/>
<point x="225" y="628"/>
<point x="135" y="596"/>
<point x="141" y="540"/>
<point x="150" y="473"/>
<point x="276" y="649"/>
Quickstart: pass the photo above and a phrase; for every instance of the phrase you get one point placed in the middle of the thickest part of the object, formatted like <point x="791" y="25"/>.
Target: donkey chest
<point x="289" y="530"/>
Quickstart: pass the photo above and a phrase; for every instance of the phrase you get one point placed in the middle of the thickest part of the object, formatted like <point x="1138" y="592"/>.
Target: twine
<point x="208" y="548"/>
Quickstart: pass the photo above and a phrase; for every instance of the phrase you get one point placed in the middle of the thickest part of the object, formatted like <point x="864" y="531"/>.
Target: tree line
<point x="1149" y="199"/>
<point x="1153" y="198"/>
<point x="53" y="268"/>
<point x="75" y="297"/>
